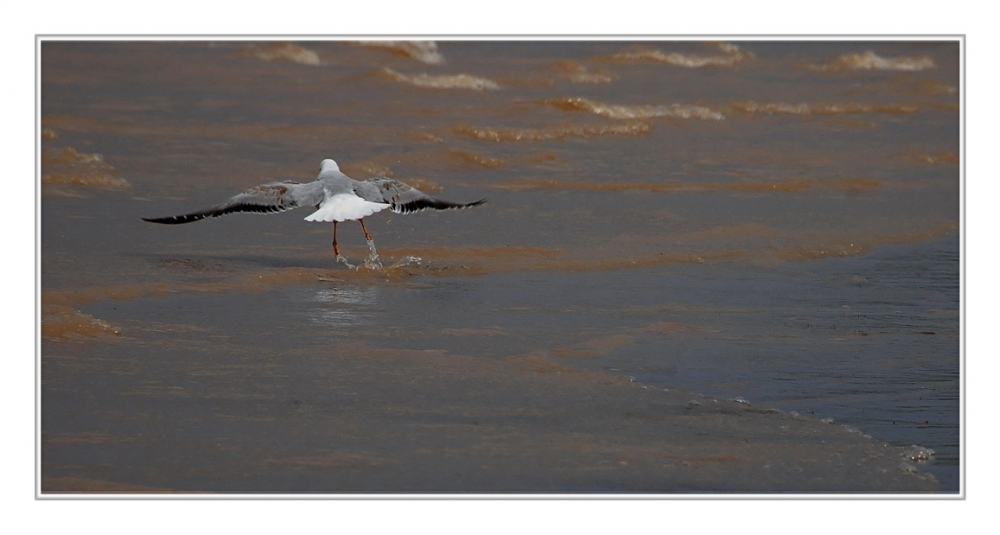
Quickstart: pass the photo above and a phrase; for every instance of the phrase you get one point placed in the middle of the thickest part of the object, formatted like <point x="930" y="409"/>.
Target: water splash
<point x="344" y="261"/>
<point x="406" y="261"/>
<point x="373" y="261"/>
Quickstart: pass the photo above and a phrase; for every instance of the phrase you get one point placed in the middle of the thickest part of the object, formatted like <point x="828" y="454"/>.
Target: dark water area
<point x="702" y="267"/>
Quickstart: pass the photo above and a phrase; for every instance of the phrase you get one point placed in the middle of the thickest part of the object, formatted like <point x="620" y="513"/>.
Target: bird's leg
<point x="367" y="236"/>
<point x="373" y="261"/>
<point x="336" y="250"/>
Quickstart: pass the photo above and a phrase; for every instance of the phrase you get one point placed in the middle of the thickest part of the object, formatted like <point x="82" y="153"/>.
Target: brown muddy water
<point x="702" y="267"/>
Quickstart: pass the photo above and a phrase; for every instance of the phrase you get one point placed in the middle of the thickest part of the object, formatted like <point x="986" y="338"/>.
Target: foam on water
<point x="934" y="159"/>
<point x="478" y="160"/>
<point x="731" y="56"/>
<point x="60" y="321"/>
<point x="918" y="454"/>
<point x="443" y="81"/>
<point x="69" y="156"/>
<point x="847" y="108"/>
<point x="645" y="111"/>
<point x="907" y="85"/>
<point x="870" y="61"/>
<point x="84" y="179"/>
<point x="287" y="52"/>
<point x="422" y="51"/>
<point x="625" y="128"/>
<point x="577" y="73"/>
<point x="67" y="166"/>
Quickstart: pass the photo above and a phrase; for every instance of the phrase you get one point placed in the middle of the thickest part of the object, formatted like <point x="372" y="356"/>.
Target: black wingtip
<point x="174" y="220"/>
<point x="430" y="203"/>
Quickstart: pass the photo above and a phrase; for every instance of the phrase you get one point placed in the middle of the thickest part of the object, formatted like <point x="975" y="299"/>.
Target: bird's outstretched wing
<point x="405" y="199"/>
<point x="264" y="199"/>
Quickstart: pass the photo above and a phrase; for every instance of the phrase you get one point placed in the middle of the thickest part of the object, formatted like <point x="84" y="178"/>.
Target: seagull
<point x="336" y="196"/>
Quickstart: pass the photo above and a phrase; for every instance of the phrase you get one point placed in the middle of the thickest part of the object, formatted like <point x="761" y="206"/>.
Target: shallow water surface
<point x="748" y="249"/>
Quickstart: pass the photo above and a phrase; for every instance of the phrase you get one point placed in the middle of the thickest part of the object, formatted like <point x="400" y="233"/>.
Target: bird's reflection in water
<point x="340" y="307"/>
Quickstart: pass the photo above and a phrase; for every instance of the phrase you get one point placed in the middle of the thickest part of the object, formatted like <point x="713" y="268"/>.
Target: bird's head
<point x="328" y="165"/>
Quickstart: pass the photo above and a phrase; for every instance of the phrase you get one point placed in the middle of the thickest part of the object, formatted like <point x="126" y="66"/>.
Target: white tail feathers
<point x="344" y="207"/>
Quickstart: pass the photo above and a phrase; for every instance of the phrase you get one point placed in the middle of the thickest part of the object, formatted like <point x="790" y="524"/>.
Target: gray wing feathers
<point x="369" y="191"/>
<point x="405" y="199"/>
<point x="266" y="198"/>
